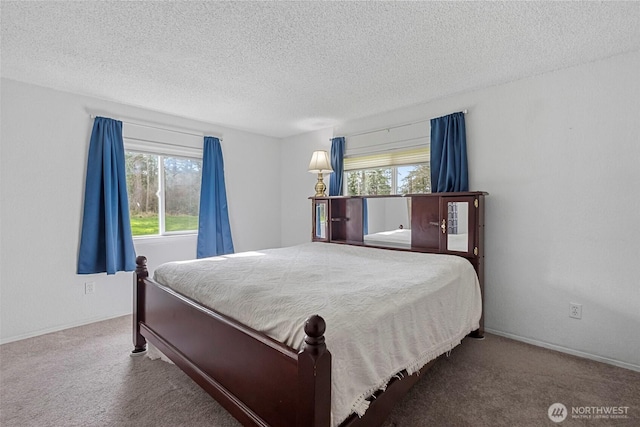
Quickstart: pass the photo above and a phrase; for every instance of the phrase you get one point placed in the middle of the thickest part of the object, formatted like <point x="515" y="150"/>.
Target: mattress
<point x="386" y="311"/>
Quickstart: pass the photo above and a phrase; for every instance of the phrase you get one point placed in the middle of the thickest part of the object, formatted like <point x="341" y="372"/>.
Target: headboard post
<point x="141" y="273"/>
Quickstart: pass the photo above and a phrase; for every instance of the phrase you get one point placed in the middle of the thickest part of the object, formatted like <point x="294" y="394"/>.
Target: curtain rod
<point x="392" y="127"/>
<point x="130" y="122"/>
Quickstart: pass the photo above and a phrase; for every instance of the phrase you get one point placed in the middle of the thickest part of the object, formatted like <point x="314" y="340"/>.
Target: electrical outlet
<point x="89" y="287"/>
<point x="575" y="310"/>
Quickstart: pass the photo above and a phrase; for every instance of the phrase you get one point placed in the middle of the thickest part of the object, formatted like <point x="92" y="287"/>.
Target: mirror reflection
<point x="458" y="226"/>
<point x="321" y="220"/>
<point x="387" y="221"/>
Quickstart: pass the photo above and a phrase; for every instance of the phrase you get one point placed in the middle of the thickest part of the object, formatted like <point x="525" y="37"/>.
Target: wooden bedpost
<point x="141" y="273"/>
<point x="314" y="377"/>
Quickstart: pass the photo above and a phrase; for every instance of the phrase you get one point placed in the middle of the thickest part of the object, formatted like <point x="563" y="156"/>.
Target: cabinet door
<point x="458" y="225"/>
<point x="425" y="223"/>
<point x="320" y="223"/>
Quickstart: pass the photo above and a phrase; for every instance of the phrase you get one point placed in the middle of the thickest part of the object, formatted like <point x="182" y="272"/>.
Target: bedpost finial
<point x="315" y="326"/>
<point x="141" y="267"/>
<point x="314" y="329"/>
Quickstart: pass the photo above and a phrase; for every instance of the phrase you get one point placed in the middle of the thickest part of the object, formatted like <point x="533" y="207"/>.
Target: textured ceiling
<point x="283" y="68"/>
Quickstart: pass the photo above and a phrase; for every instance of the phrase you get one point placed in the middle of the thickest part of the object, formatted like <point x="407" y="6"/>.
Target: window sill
<point x="160" y="238"/>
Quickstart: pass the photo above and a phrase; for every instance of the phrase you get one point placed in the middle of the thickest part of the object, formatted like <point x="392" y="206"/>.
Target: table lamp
<point x="320" y="164"/>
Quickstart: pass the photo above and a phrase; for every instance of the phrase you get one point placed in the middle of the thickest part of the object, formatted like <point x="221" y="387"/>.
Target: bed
<point x="316" y="365"/>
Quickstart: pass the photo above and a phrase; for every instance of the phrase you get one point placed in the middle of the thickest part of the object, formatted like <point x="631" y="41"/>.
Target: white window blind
<point x="147" y="139"/>
<point x="396" y="146"/>
<point x="393" y="158"/>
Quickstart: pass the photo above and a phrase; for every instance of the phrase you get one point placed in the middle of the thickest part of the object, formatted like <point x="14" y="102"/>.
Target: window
<point x="369" y="182"/>
<point x="398" y="172"/>
<point x="414" y="179"/>
<point x="164" y="193"/>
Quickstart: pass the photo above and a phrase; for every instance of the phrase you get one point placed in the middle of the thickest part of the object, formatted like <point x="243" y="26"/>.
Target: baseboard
<point x="59" y="328"/>
<point x="562" y="349"/>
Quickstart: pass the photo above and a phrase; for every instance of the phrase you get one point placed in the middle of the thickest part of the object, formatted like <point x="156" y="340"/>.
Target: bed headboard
<point x="449" y="223"/>
<point x="443" y="223"/>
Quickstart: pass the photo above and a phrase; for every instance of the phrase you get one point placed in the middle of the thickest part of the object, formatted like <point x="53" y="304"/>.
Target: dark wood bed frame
<point x="258" y="380"/>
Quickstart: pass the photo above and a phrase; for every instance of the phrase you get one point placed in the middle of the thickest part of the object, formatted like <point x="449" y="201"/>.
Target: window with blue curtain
<point x="449" y="171"/>
<point x="214" y="230"/>
<point x="106" y="244"/>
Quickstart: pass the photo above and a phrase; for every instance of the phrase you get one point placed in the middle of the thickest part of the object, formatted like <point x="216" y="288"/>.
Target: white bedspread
<point x="385" y="310"/>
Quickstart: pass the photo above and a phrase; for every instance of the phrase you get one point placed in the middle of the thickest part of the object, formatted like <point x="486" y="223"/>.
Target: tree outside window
<point x="414" y="179"/>
<point x="409" y="179"/>
<point x="164" y="193"/>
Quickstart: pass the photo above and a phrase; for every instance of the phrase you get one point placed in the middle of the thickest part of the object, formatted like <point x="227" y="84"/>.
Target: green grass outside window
<point x="150" y="225"/>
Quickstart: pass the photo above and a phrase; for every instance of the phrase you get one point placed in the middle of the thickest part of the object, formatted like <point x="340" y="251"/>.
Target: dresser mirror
<point x="387" y="221"/>
<point x="457" y="226"/>
<point x="321" y="223"/>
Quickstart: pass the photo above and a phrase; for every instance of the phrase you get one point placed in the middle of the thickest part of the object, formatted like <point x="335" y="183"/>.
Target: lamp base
<point x="320" y="187"/>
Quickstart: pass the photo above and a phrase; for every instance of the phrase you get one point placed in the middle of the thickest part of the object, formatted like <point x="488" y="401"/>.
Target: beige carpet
<point x="85" y="377"/>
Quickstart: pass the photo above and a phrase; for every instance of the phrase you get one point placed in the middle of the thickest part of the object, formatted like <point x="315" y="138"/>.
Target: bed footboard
<point x="260" y="381"/>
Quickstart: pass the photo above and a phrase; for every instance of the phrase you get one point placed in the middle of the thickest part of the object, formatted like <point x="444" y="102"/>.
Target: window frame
<point x="161" y="193"/>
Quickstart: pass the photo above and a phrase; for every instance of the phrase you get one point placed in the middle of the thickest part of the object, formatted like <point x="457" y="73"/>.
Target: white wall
<point x="559" y="155"/>
<point x="44" y="137"/>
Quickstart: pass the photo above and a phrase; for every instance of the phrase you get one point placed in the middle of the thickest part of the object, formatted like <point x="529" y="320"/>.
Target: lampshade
<point x="320" y="162"/>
